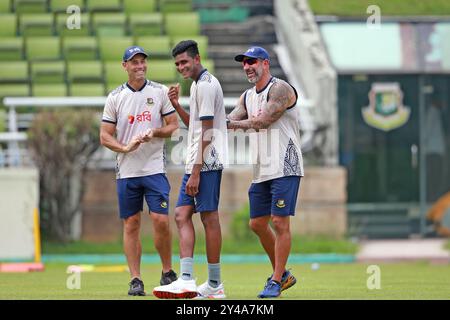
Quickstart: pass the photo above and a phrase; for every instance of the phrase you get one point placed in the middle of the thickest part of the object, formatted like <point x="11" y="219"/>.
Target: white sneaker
<point x="179" y="289"/>
<point x="206" y="291"/>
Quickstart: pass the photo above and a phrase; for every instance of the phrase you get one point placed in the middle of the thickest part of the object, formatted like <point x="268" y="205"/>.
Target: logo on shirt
<point x="150" y="102"/>
<point x="164" y="204"/>
<point x="280" y="203"/>
<point x="144" y="116"/>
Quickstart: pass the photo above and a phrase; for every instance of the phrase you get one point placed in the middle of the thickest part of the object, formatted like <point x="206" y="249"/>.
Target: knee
<point x="181" y="217"/>
<point x="161" y="223"/>
<point x="256" y="225"/>
<point x="132" y="225"/>
<point x="280" y="224"/>
<point x="210" y="220"/>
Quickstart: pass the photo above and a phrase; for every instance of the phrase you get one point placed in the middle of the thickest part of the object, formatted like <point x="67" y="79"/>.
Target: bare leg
<point x="186" y="232"/>
<point x="261" y="227"/>
<point x="213" y="235"/>
<point x="132" y="244"/>
<point x="282" y="245"/>
<point x="162" y="238"/>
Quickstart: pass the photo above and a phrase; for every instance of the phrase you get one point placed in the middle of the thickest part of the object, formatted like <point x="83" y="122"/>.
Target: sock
<point x="214" y="274"/>
<point x="187" y="268"/>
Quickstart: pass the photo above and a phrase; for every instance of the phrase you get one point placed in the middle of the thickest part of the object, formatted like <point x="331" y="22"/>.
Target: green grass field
<point x="300" y="244"/>
<point x="387" y="7"/>
<point x="243" y="281"/>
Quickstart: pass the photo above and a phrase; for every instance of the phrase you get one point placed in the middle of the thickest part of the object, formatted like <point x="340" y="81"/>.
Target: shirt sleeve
<point x="167" y="107"/>
<point x="109" y="112"/>
<point x="206" y="96"/>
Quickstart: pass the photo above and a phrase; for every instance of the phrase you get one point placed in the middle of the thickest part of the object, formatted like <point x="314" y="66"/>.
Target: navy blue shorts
<point x="207" y="198"/>
<point x="277" y="197"/>
<point x="131" y="192"/>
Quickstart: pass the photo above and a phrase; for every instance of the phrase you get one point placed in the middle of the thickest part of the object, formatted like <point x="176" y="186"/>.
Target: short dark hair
<point x="188" y="46"/>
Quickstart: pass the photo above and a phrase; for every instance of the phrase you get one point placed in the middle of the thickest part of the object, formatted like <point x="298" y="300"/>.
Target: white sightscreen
<point x="19" y="196"/>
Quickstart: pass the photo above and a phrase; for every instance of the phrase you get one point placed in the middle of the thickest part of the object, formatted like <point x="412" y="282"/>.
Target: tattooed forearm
<point x="281" y="96"/>
<point x="261" y="122"/>
<point x="239" y="112"/>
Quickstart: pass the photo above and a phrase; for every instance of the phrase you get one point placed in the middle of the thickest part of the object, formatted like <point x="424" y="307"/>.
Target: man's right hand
<point x="174" y="94"/>
<point x="132" y="145"/>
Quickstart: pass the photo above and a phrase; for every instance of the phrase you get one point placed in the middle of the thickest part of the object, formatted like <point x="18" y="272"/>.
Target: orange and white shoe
<point x="179" y="289"/>
<point x="205" y="291"/>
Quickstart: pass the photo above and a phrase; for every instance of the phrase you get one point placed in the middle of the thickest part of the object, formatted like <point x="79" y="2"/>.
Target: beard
<point x="255" y="77"/>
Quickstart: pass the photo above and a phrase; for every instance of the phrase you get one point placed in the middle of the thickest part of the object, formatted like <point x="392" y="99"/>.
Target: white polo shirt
<point x="134" y="112"/>
<point x="206" y="102"/>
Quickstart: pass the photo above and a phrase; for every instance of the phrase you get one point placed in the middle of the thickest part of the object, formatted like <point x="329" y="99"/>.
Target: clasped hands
<point x="142" y="137"/>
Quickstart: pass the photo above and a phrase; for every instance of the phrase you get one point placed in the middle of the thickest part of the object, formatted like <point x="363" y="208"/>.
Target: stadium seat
<point x="87" y="90"/>
<point x="139" y="6"/>
<point x="8" y="25"/>
<point x="48" y="72"/>
<point x="162" y="71"/>
<point x="115" y="75"/>
<point x="14" y="90"/>
<point x="5" y="6"/>
<point x="142" y="24"/>
<point x="232" y="14"/>
<point x="33" y="6"/>
<point x="166" y="6"/>
<point x="84" y="71"/>
<point x="14" y="72"/>
<point x="36" y="24"/>
<point x="80" y="48"/>
<point x="11" y="48"/>
<point x="65" y="21"/>
<point x="43" y="48"/>
<point x="62" y="5"/>
<point x="111" y="49"/>
<point x="103" y="5"/>
<point x="182" y="24"/>
<point x="109" y="24"/>
<point x="202" y="42"/>
<point x="156" y="46"/>
<point x="49" y="90"/>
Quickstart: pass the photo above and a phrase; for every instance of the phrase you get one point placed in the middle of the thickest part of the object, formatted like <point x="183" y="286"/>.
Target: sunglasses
<point x="250" y="61"/>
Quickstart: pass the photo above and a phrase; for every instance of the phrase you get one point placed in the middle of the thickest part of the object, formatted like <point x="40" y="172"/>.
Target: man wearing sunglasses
<point x="268" y="112"/>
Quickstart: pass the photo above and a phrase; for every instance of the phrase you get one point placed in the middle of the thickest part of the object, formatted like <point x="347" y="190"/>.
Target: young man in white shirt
<point x="200" y="189"/>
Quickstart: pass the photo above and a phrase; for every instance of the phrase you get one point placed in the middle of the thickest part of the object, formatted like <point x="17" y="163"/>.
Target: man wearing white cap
<point x="137" y="118"/>
<point x="269" y="110"/>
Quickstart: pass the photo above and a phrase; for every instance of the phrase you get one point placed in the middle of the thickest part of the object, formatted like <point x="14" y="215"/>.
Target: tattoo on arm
<point x="239" y="112"/>
<point x="280" y="96"/>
